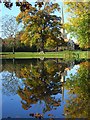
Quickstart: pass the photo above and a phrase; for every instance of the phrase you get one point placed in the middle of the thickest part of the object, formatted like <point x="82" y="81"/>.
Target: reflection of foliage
<point x="11" y="76"/>
<point x="78" y="85"/>
<point x="41" y="82"/>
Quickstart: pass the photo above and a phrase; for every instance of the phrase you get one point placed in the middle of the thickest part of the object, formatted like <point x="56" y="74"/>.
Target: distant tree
<point x="10" y="28"/>
<point x="7" y="43"/>
<point x="0" y="44"/>
<point x="41" y="26"/>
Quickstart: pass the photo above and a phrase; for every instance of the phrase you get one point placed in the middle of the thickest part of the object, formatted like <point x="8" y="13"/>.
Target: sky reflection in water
<point x="35" y="86"/>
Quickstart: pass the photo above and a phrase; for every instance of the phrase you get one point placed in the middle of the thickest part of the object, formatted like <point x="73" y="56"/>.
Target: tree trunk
<point x="57" y="48"/>
<point x="13" y="50"/>
<point x="42" y="46"/>
<point x="42" y="70"/>
<point x="13" y="61"/>
<point x="57" y="61"/>
<point x="13" y="46"/>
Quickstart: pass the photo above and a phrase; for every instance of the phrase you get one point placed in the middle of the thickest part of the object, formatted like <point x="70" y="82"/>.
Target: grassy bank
<point x="62" y="54"/>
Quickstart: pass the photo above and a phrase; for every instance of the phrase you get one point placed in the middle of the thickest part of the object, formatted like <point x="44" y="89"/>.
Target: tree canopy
<point x="78" y="22"/>
<point x="41" y="26"/>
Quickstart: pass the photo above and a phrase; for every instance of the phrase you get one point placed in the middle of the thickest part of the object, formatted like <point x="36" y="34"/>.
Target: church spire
<point x="63" y="30"/>
<point x="62" y="14"/>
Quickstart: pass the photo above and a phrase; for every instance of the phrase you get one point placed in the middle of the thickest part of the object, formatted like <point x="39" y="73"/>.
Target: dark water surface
<point x="49" y="88"/>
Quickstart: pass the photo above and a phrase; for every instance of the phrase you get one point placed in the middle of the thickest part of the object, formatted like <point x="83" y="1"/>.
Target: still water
<point x="49" y="88"/>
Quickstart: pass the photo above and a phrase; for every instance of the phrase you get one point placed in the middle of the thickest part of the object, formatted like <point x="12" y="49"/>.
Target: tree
<point x="41" y="26"/>
<point x="78" y="22"/>
<point x="7" y="43"/>
<point x="10" y="29"/>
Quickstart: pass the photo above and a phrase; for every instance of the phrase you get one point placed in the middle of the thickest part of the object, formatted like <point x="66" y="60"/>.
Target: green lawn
<point x="62" y="54"/>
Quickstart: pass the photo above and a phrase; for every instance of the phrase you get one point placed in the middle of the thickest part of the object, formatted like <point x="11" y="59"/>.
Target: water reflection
<point x="79" y="86"/>
<point x="40" y="87"/>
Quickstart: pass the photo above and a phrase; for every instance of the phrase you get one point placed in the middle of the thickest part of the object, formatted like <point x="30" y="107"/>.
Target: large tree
<point x="41" y="25"/>
<point x="78" y="22"/>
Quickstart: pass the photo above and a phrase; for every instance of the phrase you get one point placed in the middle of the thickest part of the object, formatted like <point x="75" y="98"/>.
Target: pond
<point x="47" y="88"/>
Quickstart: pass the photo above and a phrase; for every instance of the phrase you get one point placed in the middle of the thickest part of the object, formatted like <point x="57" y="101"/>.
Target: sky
<point x="15" y="10"/>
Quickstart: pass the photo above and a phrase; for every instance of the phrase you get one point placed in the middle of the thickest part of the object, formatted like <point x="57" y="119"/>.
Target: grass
<point x="61" y="54"/>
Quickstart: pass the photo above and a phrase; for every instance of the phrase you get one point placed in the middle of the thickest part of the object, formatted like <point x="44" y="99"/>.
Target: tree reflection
<point x="42" y="81"/>
<point x="78" y="85"/>
<point x="11" y="78"/>
<point x="10" y="83"/>
<point x="36" y="81"/>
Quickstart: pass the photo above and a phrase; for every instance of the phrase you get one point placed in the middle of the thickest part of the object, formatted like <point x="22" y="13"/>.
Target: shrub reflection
<point x="78" y="85"/>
